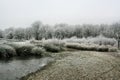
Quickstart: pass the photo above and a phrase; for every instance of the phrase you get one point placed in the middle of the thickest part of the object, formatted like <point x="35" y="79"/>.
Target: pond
<point x="15" y="68"/>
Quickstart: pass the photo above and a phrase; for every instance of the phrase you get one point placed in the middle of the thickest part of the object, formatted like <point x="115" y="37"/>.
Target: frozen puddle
<point x="15" y="69"/>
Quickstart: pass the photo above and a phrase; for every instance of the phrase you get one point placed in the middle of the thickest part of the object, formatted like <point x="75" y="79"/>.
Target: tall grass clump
<point x="7" y="51"/>
<point x="38" y="51"/>
<point x="24" y="50"/>
<point x="113" y="49"/>
<point x="54" y="45"/>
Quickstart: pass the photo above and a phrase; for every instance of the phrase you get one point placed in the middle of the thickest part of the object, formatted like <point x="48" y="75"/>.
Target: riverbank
<point x="80" y="65"/>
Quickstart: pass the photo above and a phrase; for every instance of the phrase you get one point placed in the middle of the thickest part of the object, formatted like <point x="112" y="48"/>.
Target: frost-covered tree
<point x="45" y="32"/>
<point x="9" y="33"/>
<point x="1" y="34"/>
<point x="78" y="32"/>
<point x="19" y="33"/>
<point x="116" y="29"/>
<point x="36" y="28"/>
<point x="28" y="33"/>
<point x="61" y="31"/>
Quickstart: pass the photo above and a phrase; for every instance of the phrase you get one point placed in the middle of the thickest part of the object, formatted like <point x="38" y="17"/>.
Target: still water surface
<point x="16" y="68"/>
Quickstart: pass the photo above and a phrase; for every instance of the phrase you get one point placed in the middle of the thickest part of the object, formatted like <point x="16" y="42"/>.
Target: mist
<point x="22" y="13"/>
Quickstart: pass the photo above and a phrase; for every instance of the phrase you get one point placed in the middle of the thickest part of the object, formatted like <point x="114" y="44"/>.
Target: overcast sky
<point x="21" y="13"/>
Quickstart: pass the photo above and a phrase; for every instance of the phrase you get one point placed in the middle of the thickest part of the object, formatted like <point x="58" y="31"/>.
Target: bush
<point x="52" y="48"/>
<point x="24" y="50"/>
<point x="38" y="51"/>
<point x="54" y="45"/>
<point x="102" y="49"/>
<point x="113" y="49"/>
<point x="101" y="40"/>
<point x="7" y="51"/>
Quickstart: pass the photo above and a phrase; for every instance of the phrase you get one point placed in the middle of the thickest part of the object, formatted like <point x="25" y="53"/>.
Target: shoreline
<point x="60" y="61"/>
<point x="33" y="73"/>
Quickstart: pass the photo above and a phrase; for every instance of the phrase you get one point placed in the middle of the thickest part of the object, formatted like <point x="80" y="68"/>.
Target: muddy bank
<point x="80" y="65"/>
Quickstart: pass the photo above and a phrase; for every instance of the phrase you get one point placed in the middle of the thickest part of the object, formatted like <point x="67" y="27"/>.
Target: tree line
<point x="39" y="31"/>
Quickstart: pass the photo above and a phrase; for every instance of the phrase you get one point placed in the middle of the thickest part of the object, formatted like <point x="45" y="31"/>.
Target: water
<point x="16" y="68"/>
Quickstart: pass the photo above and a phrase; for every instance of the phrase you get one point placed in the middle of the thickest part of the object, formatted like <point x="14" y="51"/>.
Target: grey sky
<point x="21" y="13"/>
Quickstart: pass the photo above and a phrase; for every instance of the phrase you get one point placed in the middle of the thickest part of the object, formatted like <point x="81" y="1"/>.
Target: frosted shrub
<point x="101" y="40"/>
<point x="54" y="45"/>
<point x="38" y="51"/>
<point x="113" y="49"/>
<point x="24" y="50"/>
<point x="7" y="51"/>
<point x="52" y="48"/>
<point x="102" y="48"/>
